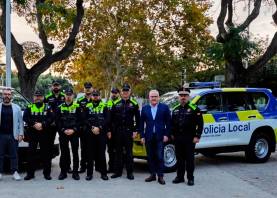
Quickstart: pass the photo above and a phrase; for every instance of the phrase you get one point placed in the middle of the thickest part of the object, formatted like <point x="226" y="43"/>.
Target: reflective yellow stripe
<point x="208" y="118"/>
<point x="195" y="99"/>
<point x="245" y="115"/>
<point x="233" y="89"/>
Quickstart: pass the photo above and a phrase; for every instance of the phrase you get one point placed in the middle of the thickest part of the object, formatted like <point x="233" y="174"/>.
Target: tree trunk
<point x="235" y="73"/>
<point x="27" y="82"/>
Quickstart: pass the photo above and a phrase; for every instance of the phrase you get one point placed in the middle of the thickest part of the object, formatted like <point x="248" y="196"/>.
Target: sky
<point x="262" y="27"/>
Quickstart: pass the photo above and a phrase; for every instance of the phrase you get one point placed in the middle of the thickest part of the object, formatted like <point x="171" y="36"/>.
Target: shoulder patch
<point x="48" y="95"/>
<point x="89" y="105"/>
<point x="192" y="106"/>
<point x="175" y="107"/>
<point x="134" y="101"/>
<point x="117" y="101"/>
<point x="81" y="98"/>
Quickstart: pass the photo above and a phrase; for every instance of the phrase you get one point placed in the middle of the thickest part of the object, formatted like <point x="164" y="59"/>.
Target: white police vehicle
<point x="235" y="119"/>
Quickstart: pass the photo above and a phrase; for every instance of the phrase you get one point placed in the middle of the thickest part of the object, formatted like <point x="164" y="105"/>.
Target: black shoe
<point x="161" y="181"/>
<point x="62" y="176"/>
<point x="104" y="177"/>
<point x="130" y="176"/>
<point x="70" y="171"/>
<point x="82" y="170"/>
<point x="116" y="175"/>
<point x="47" y="177"/>
<point x="29" y="177"/>
<point x="190" y="182"/>
<point x="75" y="176"/>
<point x="178" y="180"/>
<point x="89" y="177"/>
<point x="150" y="178"/>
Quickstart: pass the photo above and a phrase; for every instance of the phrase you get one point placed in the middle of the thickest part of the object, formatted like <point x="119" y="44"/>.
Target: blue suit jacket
<point x="161" y="122"/>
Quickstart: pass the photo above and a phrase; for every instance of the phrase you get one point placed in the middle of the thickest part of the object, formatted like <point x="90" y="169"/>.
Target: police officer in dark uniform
<point x="187" y="126"/>
<point x="111" y="144"/>
<point x="38" y="117"/>
<point x="97" y="120"/>
<point x="125" y="116"/>
<point x="54" y="99"/>
<point x="68" y="115"/>
<point x="83" y="101"/>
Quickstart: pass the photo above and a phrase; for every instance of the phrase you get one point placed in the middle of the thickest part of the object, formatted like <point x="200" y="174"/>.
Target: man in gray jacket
<point x="11" y="132"/>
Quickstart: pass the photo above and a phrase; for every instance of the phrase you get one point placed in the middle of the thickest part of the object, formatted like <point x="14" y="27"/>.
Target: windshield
<point x="171" y="98"/>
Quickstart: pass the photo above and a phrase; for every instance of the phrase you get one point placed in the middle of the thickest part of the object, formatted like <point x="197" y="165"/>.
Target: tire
<point x="170" y="160"/>
<point x="258" y="150"/>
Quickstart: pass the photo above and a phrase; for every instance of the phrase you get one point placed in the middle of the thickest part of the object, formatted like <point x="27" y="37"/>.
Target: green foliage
<point x="238" y="45"/>
<point x="44" y="82"/>
<point x="21" y="2"/>
<point x="144" y="43"/>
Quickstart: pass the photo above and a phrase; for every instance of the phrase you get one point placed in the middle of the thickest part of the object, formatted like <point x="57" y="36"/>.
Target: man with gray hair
<point x="156" y="117"/>
<point x="11" y="132"/>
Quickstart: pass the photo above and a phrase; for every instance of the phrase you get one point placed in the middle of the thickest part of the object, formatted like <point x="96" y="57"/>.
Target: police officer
<point x="68" y="115"/>
<point x="111" y="146"/>
<point x="54" y="99"/>
<point x="38" y="117"/>
<point x="83" y="101"/>
<point x="96" y="134"/>
<point x="187" y="126"/>
<point x="125" y="116"/>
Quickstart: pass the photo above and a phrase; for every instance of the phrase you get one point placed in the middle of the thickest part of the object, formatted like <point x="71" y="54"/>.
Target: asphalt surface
<point x="226" y="175"/>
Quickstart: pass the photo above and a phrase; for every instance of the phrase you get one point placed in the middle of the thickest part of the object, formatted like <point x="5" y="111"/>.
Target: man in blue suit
<point x="156" y="117"/>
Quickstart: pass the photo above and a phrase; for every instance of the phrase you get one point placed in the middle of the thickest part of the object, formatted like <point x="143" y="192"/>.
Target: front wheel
<point x="258" y="150"/>
<point x="170" y="160"/>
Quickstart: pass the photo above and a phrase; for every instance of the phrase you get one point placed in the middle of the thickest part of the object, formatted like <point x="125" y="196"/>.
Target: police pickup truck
<point x="235" y="119"/>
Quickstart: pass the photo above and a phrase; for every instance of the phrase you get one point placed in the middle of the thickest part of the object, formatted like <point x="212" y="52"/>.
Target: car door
<point x="243" y="117"/>
<point x="215" y="120"/>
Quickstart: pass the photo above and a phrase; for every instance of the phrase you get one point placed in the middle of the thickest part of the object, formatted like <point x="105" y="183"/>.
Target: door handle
<point x="223" y="119"/>
<point x="252" y="116"/>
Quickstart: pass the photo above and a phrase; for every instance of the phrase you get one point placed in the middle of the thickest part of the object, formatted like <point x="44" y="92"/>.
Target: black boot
<point x="116" y="175"/>
<point x="190" y="182"/>
<point x="75" y="176"/>
<point x="150" y="178"/>
<point x="130" y="176"/>
<point x="178" y="180"/>
<point x="62" y="176"/>
<point x="29" y="177"/>
<point x="89" y="177"/>
<point x="47" y="177"/>
<point x="104" y="177"/>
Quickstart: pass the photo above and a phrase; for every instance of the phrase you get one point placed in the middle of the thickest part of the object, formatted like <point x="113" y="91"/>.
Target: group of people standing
<point x="96" y="125"/>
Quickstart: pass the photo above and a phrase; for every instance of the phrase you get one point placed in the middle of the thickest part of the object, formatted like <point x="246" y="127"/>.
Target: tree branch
<point x="220" y="21"/>
<point x="270" y="51"/>
<point x="17" y="49"/>
<point x="48" y="48"/>
<point x="229" y="21"/>
<point x="44" y="63"/>
<point x="254" y="14"/>
<point x="274" y="16"/>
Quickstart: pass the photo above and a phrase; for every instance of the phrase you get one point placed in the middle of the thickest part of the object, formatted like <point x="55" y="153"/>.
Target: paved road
<point x="227" y="175"/>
